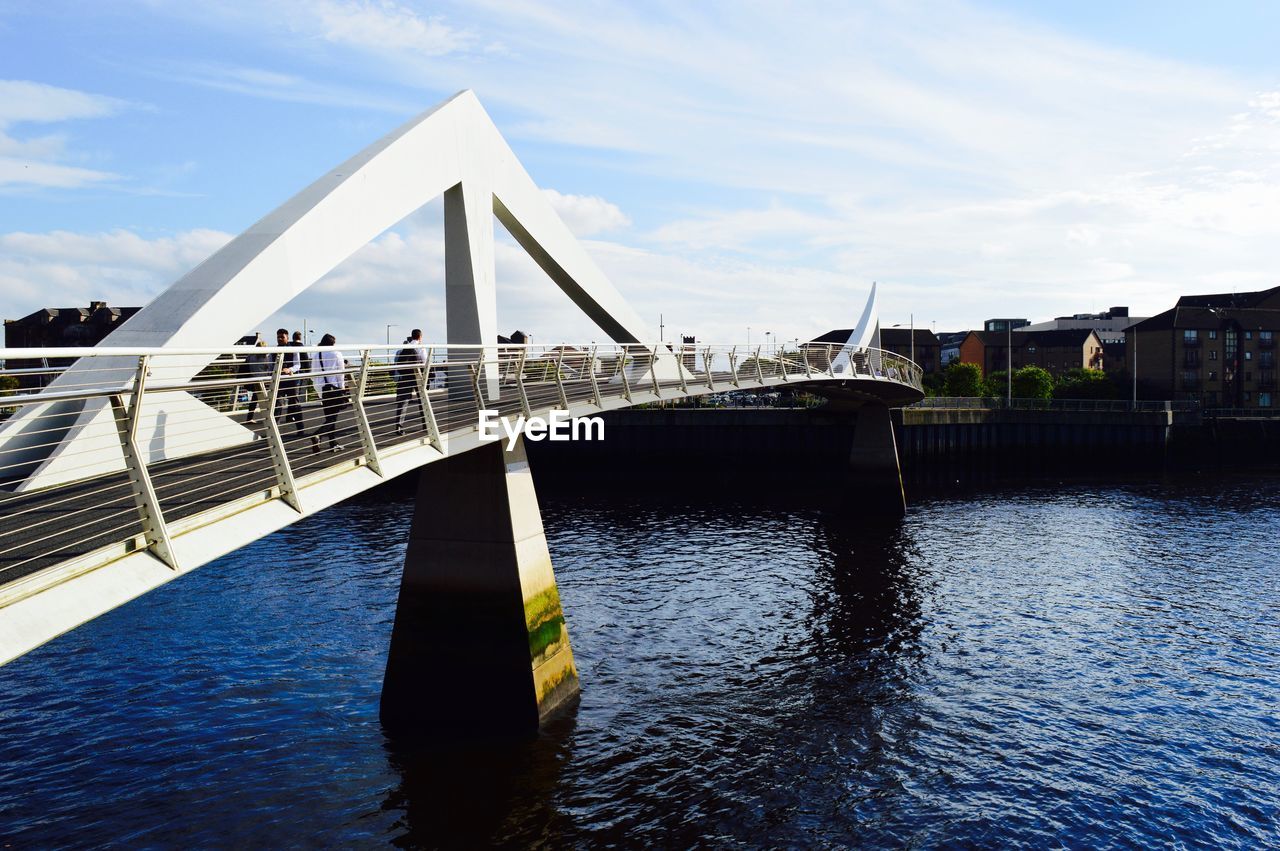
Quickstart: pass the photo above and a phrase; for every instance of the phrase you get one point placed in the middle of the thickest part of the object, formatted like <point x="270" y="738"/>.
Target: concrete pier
<point x="873" y="460"/>
<point x="479" y="648"/>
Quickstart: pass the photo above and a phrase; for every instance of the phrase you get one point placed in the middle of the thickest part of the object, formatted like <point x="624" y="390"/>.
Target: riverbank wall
<point x="937" y="446"/>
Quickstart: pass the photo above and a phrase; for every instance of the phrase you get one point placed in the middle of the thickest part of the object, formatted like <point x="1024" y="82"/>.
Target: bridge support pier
<point x="873" y="458"/>
<point x="479" y="648"/>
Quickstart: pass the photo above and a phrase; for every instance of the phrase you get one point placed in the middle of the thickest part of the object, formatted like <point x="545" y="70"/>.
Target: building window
<point x="1189" y="334"/>
<point x="1248" y="355"/>
<point x="1213" y="355"/>
<point x="1213" y="376"/>
<point x="1248" y="335"/>
<point x="1213" y="335"/>
<point x="1264" y="335"/>
<point x="1247" y="395"/>
<point x="1031" y="349"/>
<point x="1264" y="400"/>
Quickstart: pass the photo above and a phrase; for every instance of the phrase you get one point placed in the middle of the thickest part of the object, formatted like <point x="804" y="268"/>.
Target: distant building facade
<point x="920" y="344"/>
<point x="1217" y="349"/>
<point x="60" y="327"/>
<point x="1004" y="324"/>
<point x="1109" y="324"/>
<point x="1056" y="352"/>
<point x="926" y="348"/>
<point x="949" y="346"/>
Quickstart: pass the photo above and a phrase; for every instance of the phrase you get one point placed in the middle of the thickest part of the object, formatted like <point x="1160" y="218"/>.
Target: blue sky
<point x="727" y="164"/>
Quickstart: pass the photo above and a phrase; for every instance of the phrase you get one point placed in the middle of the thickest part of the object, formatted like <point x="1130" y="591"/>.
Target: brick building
<point x="52" y="327"/>
<point x="1053" y="351"/>
<point x="1219" y="350"/>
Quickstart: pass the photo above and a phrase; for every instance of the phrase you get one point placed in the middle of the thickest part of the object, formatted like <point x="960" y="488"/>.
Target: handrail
<point x="139" y="450"/>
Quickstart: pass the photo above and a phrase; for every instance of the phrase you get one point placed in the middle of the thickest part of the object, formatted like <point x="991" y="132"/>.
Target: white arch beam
<point x="453" y="149"/>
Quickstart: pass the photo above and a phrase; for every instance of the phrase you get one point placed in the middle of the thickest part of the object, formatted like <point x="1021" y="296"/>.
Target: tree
<point x="963" y="379"/>
<point x="1032" y="382"/>
<point x="997" y="385"/>
<point x="934" y="383"/>
<point x="1085" y="384"/>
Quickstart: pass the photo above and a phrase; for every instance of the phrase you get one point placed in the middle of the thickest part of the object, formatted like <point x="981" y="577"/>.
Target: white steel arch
<point x="452" y="150"/>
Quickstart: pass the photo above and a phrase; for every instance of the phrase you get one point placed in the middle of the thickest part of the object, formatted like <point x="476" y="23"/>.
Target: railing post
<point x="759" y="367"/>
<point x="706" y="363"/>
<point x="362" y="417"/>
<point x="653" y="371"/>
<point x="428" y="413"/>
<point x="524" y="397"/>
<point x="475" y="381"/>
<point x="279" y="457"/>
<point x="144" y="494"/>
<point x="595" y="385"/>
<point x="564" y="397"/>
<point x="626" y="385"/>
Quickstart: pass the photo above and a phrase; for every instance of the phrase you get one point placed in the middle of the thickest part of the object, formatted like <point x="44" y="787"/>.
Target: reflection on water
<point x="1078" y="665"/>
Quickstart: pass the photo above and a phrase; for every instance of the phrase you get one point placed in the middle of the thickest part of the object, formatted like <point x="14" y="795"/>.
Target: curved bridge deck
<point x="111" y="492"/>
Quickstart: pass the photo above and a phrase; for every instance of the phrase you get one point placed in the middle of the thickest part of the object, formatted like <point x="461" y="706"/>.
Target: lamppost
<point x="748" y="336"/>
<point x="768" y="343"/>
<point x="1008" y="370"/>
<point x="389" y="327"/>
<point x="1134" y="329"/>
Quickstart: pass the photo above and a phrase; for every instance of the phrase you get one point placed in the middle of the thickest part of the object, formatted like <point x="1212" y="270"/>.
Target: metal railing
<point x="1101" y="405"/>
<point x="1242" y="413"/>
<point x="128" y="448"/>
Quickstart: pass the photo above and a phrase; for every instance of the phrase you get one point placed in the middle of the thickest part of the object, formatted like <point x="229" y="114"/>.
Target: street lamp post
<point x="389" y="327"/>
<point x="1135" y="366"/>
<point x="1008" y="369"/>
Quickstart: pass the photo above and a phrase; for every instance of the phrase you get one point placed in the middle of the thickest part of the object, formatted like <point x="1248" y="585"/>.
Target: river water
<point x="1080" y="665"/>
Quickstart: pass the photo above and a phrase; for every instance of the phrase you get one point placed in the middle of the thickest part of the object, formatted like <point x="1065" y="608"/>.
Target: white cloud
<point x="293" y="88"/>
<point x="387" y="26"/>
<point x="27" y="101"/>
<point x="777" y="158"/>
<point x="34" y="162"/>
<point x="587" y="214"/>
<point x="60" y="268"/>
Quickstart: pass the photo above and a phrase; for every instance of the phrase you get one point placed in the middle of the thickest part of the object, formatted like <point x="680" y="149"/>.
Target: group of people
<point x="327" y="370"/>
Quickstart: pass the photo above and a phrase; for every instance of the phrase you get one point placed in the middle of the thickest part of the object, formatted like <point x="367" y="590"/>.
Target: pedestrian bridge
<point x="127" y="465"/>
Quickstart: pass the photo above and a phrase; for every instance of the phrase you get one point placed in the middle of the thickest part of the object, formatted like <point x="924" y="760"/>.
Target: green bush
<point x="1032" y="382"/>
<point x="962" y="379"/>
<point x="1085" y="384"/>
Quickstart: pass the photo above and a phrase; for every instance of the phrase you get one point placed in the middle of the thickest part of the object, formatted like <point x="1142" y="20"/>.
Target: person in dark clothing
<point x="304" y="358"/>
<point x="254" y="373"/>
<point x="410" y="361"/>
<point x="290" y="388"/>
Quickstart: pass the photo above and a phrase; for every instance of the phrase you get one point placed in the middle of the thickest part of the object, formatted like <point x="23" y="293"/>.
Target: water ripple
<point x="1083" y="666"/>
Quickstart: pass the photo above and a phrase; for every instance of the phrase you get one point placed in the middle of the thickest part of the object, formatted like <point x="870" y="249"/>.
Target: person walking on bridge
<point x="254" y="372"/>
<point x="410" y="363"/>
<point x="329" y="376"/>
<point x="290" y="388"/>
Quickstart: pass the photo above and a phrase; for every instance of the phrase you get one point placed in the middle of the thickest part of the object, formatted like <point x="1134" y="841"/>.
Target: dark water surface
<point x="1085" y="666"/>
